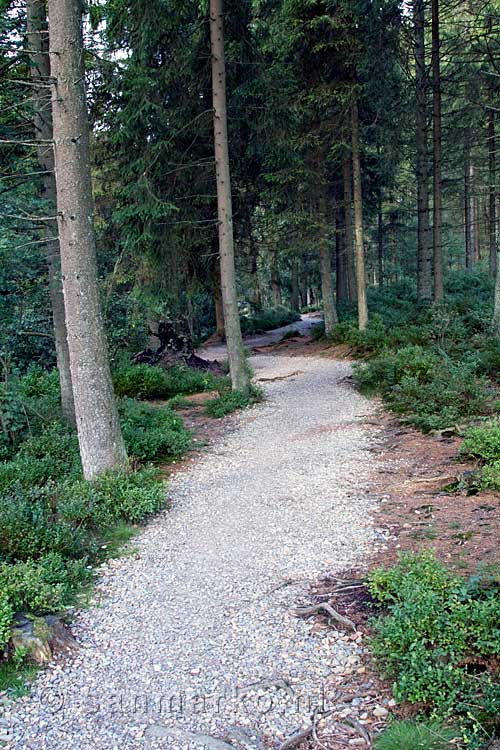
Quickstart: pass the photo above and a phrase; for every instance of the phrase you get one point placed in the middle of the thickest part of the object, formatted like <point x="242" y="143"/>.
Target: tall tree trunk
<point x="358" y="219"/>
<point x="38" y="45"/>
<point x="275" y="280"/>
<point x="99" y="434"/>
<point x="380" y="239"/>
<point x="237" y="366"/>
<point x="492" y="197"/>
<point x="295" y="297"/>
<point x="424" y="259"/>
<point x="325" y="262"/>
<point x="468" y="206"/>
<point x="340" y="254"/>
<point x="218" y="303"/>
<point x="347" y="183"/>
<point x="437" y="159"/>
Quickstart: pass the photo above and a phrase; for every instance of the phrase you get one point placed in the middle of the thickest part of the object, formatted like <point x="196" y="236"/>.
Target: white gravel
<point x="178" y="630"/>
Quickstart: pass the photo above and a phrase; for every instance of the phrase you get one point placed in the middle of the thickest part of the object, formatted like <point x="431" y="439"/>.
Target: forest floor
<point x="191" y="640"/>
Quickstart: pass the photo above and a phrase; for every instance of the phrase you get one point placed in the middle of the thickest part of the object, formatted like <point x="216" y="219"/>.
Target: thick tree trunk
<point x="358" y="219"/>
<point x="38" y="45"/>
<point x="99" y="434"/>
<point x="340" y="254"/>
<point x="218" y="303"/>
<point x="275" y="280"/>
<point x="492" y="197"/>
<point x="237" y="365"/>
<point x="325" y="261"/>
<point x="349" y="250"/>
<point x="436" y="138"/>
<point x="295" y="297"/>
<point x="424" y="259"/>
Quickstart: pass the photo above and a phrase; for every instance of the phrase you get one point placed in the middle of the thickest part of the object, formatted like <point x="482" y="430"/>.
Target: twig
<point x="316" y="608"/>
<point x="360" y="729"/>
<point x="296" y="738"/>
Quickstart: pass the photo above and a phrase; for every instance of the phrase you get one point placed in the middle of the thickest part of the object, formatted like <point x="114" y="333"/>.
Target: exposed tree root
<point x="324" y="607"/>
<point x="280" y="377"/>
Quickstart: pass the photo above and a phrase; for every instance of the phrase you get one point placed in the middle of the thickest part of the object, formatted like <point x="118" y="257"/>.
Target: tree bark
<point x="325" y="260"/>
<point x="380" y="239"/>
<point x="38" y="45"/>
<point x="99" y="434"/>
<point x="492" y="197"/>
<point x="218" y="303"/>
<point x="358" y="219"/>
<point x="340" y="254"/>
<point x="437" y="159"/>
<point x="275" y="280"/>
<point x="237" y="365"/>
<point x="349" y="250"/>
<point x="468" y="207"/>
<point x="424" y="260"/>
<point x="295" y="296"/>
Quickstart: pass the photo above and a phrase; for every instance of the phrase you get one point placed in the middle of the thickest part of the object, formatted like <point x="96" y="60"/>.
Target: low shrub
<point x="231" y="401"/>
<point x="413" y="735"/>
<point x="435" y="628"/>
<point x="110" y="498"/>
<point x="45" y="585"/>
<point x="151" y="382"/>
<point x="483" y="442"/>
<point x="31" y="527"/>
<point x="266" y="320"/>
<point x="152" y="432"/>
<point x="431" y="391"/>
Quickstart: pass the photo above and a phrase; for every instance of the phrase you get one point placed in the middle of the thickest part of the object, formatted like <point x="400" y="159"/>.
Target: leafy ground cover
<point x="437" y="367"/>
<point x="438" y="638"/>
<point x="55" y="526"/>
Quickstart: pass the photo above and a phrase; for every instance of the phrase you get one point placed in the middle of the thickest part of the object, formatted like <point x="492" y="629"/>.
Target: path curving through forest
<point x="193" y="635"/>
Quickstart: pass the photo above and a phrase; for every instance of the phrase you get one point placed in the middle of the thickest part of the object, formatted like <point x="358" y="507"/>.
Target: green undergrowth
<point x="229" y="402"/>
<point x="266" y="320"/>
<point x="482" y="443"/>
<point x="437" y="636"/>
<point x="436" y="366"/>
<point x="153" y="382"/>
<point x="55" y="527"/>
<point x="417" y="735"/>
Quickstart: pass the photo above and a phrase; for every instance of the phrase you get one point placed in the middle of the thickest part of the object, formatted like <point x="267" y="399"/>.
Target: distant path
<point x="304" y="326"/>
<point x="183" y="628"/>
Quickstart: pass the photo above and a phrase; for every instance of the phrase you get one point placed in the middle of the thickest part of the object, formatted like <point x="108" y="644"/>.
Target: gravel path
<point x="179" y="631"/>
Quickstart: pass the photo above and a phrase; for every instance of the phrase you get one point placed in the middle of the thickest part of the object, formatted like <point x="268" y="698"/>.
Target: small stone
<point x="380" y="712"/>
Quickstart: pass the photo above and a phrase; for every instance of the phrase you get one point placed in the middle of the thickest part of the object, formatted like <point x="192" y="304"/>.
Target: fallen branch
<point x="302" y="734"/>
<point x="324" y="607"/>
<point x="280" y="377"/>
<point x="360" y="729"/>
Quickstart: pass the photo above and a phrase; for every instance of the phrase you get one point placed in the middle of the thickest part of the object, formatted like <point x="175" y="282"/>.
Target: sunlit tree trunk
<point x="340" y="254"/>
<point x="237" y="366"/>
<point x="325" y="260"/>
<point x="380" y="239"/>
<point x="358" y="220"/>
<point x="424" y="259"/>
<point x="218" y="303"/>
<point x="492" y="197"/>
<point x="275" y="280"/>
<point x="295" y="296"/>
<point x="38" y="46"/>
<point x="349" y="250"/>
<point x="437" y="159"/>
<point x="99" y="434"/>
<point x="468" y="207"/>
